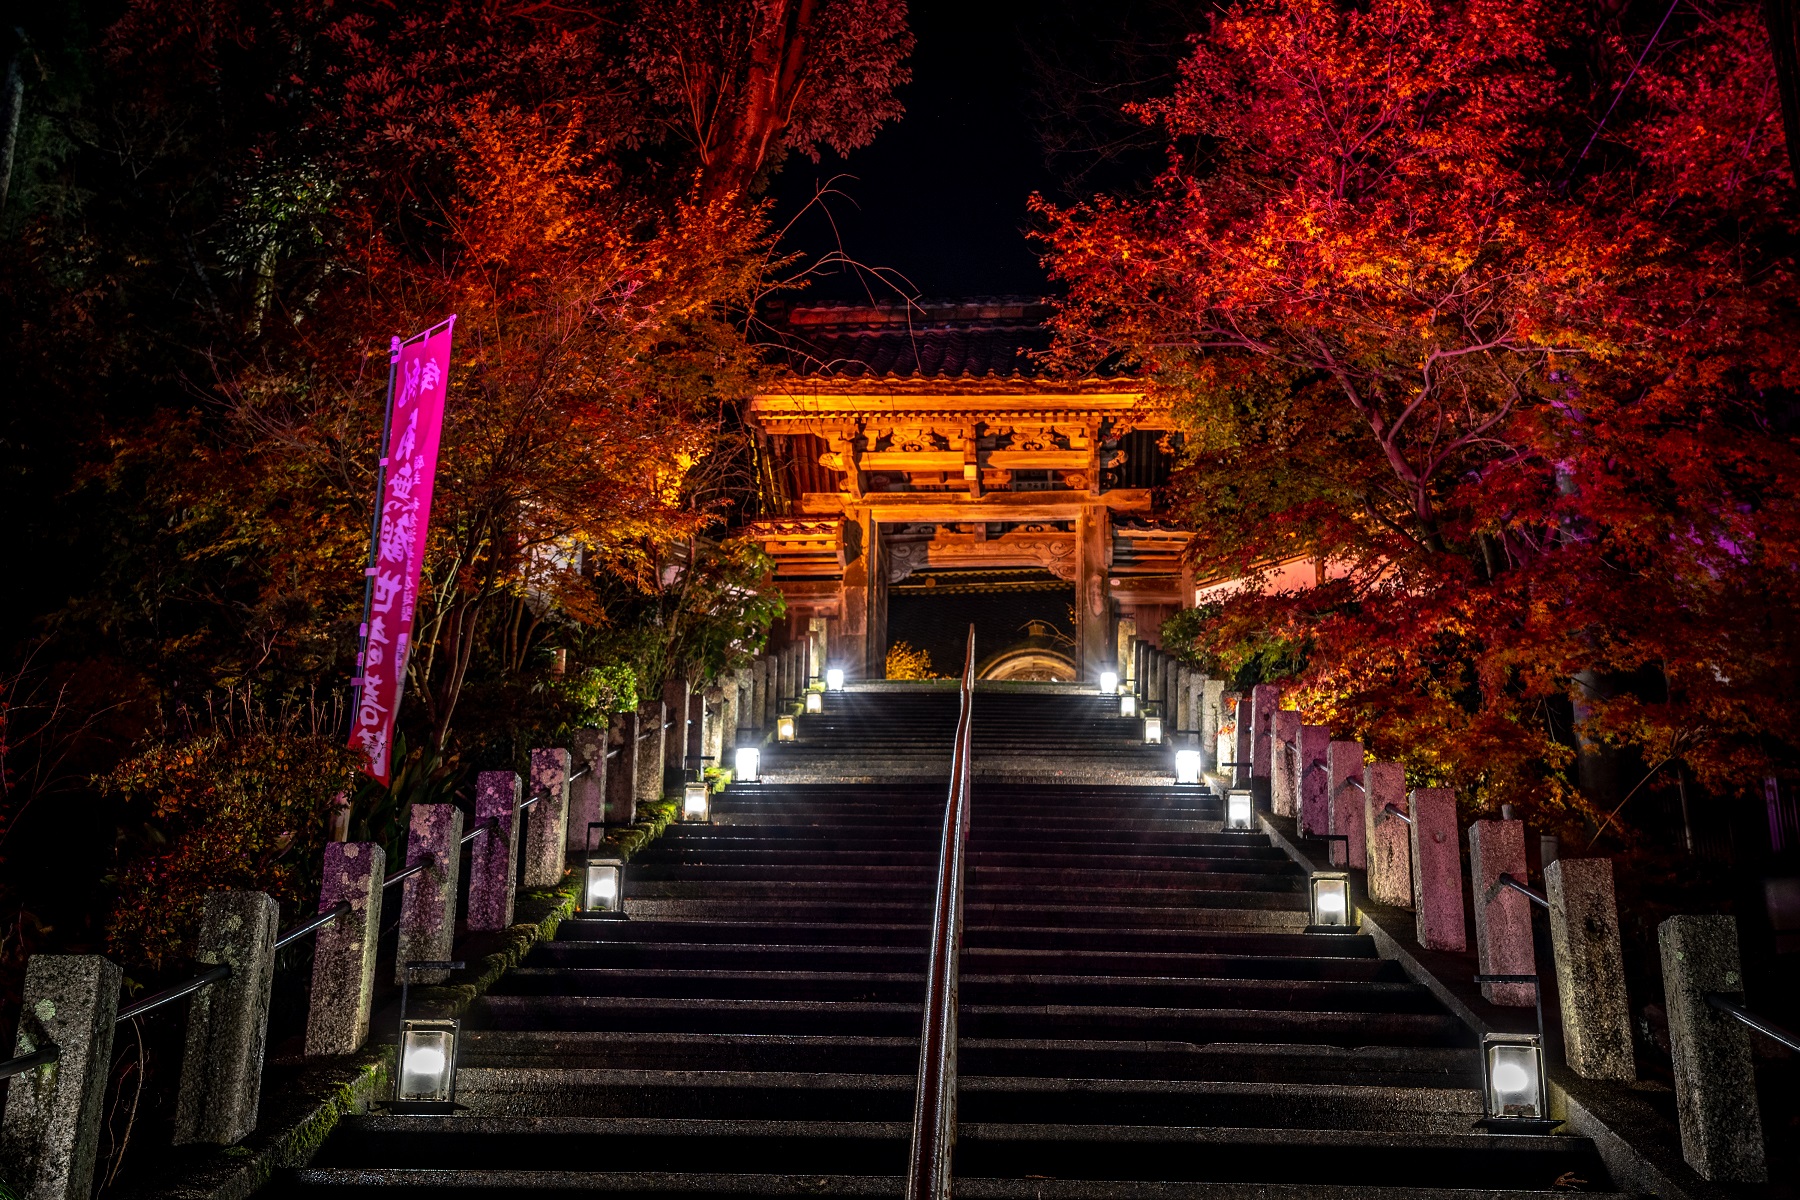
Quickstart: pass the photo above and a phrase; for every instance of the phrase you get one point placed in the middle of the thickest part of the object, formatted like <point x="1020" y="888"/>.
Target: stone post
<point x="1134" y="671"/>
<point x="1265" y="700"/>
<point x="1437" y="870"/>
<point x="51" y="1133"/>
<point x="1590" y="970"/>
<point x="1240" y="773"/>
<point x="1715" y="1081"/>
<point x="228" y="1021"/>
<point x="494" y="855"/>
<point x="702" y="706"/>
<point x="1171" y="696"/>
<point x="622" y="770"/>
<point x="428" y="899"/>
<point x="1284" y="764"/>
<point x="651" y="735"/>
<point x="547" y="821"/>
<point x="759" y="695"/>
<point x="1387" y="845"/>
<point x="1212" y="715"/>
<point x="675" y="694"/>
<point x="1344" y="777"/>
<point x="1124" y="632"/>
<point x="1312" y="777"/>
<point x="587" y="793"/>
<point x="721" y="727"/>
<point x="1502" y="916"/>
<point x="343" y="973"/>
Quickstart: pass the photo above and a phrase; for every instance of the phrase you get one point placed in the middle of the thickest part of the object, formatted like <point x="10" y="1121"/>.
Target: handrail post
<point x="228" y="1023"/>
<point x="934" y="1107"/>
<point x="50" y="1136"/>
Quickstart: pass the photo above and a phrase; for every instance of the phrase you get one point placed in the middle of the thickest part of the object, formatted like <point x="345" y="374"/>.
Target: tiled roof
<point x="967" y="339"/>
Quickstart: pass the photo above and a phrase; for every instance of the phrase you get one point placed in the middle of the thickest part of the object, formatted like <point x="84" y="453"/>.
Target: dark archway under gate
<point x="1022" y="618"/>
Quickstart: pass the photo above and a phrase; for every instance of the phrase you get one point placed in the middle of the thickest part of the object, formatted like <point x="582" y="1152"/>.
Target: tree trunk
<point x="1783" y="19"/>
<point x="12" y="103"/>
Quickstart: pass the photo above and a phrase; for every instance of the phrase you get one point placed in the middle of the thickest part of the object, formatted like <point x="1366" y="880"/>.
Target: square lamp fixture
<point x="696" y="802"/>
<point x="1109" y="683"/>
<point x="1187" y="766"/>
<point x="815" y="702"/>
<point x="834" y="679"/>
<point x="1240" y="812"/>
<point x="1152" y="731"/>
<point x="427" y="1062"/>
<point x="1512" y="1077"/>
<point x="1330" y="893"/>
<point x="1127" y="704"/>
<point x="749" y="758"/>
<point x="603" y="885"/>
<point x="785" y="729"/>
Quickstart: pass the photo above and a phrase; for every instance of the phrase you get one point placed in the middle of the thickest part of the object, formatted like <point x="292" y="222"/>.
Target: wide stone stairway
<point x="1142" y="1012"/>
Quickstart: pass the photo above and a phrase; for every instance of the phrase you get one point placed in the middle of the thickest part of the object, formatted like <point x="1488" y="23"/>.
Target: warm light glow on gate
<point x="1187" y="766"/>
<point x="1330" y="891"/>
<point x="784" y="729"/>
<point x="1109" y="682"/>
<point x="749" y="759"/>
<point x="1153" y="731"/>
<point x="1240" y="810"/>
<point x="696" y="802"/>
<point x="427" y="1062"/>
<point x="1127" y="704"/>
<point x="834" y="679"/>
<point x="1512" y="1070"/>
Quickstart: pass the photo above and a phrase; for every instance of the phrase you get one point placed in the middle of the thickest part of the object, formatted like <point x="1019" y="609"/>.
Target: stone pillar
<point x="1093" y="604"/>
<point x="759" y="694"/>
<point x="494" y="855"/>
<point x="722" y="735"/>
<point x="1212" y="715"/>
<point x="703" y="708"/>
<point x="1126" y="633"/>
<point x="1171" y="690"/>
<point x="675" y="741"/>
<point x="1387" y="845"/>
<point x="1284" y="764"/>
<point x="228" y="1021"/>
<point x="622" y="769"/>
<point x="1240" y="774"/>
<point x="1136" y="671"/>
<point x="1313" y="779"/>
<point x="1437" y="870"/>
<point x="850" y="641"/>
<point x="1502" y="916"/>
<point x="547" y="821"/>
<point x="651" y="718"/>
<point x="1715" y="1081"/>
<point x="1344" y="776"/>
<point x="1590" y="970"/>
<point x="428" y="899"/>
<point x="343" y="973"/>
<point x="51" y="1132"/>
<point x="587" y="794"/>
<point x="1265" y="699"/>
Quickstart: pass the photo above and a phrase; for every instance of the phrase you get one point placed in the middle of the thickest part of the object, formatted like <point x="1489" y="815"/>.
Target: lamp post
<point x="1329" y="896"/>
<point x="786" y="729"/>
<point x="602" y="878"/>
<point x="834" y="679"/>
<point x="1127" y="704"/>
<point x="425" y="1075"/>
<point x="1512" y="1079"/>
<point x="1109" y="683"/>
<point x="1187" y="766"/>
<point x="748" y="762"/>
<point x="1240" y="810"/>
<point x="696" y="802"/>
<point x="1153" y="731"/>
<point x="815" y="703"/>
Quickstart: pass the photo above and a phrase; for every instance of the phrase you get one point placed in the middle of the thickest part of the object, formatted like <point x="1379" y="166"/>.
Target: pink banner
<point x="421" y="371"/>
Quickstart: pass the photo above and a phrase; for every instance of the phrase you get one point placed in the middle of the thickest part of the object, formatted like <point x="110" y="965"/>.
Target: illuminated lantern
<point x="1240" y="811"/>
<point x="1127" y="704"/>
<point x="834" y="679"/>
<point x="1152" y="731"/>
<point x="1330" y="892"/>
<point x="815" y="702"/>
<point x="1512" y="1073"/>
<point x="427" y="1072"/>
<point x="784" y="729"/>
<point x="1109" y="682"/>
<point x="696" y="802"/>
<point x="749" y="759"/>
<point x="603" y="885"/>
<point x="1187" y="766"/>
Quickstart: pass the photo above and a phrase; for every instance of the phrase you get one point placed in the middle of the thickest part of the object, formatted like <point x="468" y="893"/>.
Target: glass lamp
<point x="1127" y="704"/>
<point x="784" y="729"/>
<point x="696" y="802"/>
<point x="1187" y="766"/>
<point x="834" y="679"/>
<point x="1109" y="683"/>
<point x="1152" y="731"/>
<point x="1330" y="893"/>
<point x="749" y="758"/>
<point x="603" y="885"/>
<point x="1240" y="811"/>
<point x="1512" y="1077"/>
<point x="815" y="702"/>
<point x="427" y="1072"/>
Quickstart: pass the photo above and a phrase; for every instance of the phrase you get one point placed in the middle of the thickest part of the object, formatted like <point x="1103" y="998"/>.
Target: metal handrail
<point x="1505" y="880"/>
<point x="934" y="1105"/>
<point x="1728" y="1005"/>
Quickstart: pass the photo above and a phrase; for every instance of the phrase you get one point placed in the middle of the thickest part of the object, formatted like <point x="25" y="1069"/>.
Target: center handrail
<point x="934" y="1106"/>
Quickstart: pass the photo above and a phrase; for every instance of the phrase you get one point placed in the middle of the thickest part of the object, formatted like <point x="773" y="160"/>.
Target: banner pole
<point x="387" y="430"/>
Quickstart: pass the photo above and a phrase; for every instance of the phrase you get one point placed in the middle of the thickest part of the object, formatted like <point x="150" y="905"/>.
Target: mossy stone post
<point x="1387" y="844"/>
<point x="1590" y="968"/>
<point x="675" y="694"/>
<point x="1265" y="701"/>
<point x="587" y="788"/>
<point x="547" y="821"/>
<point x="1503" y="943"/>
<point x="1284" y="764"/>
<point x="494" y="854"/>
<point x="1212" y="716"/>
<point x="1344" y="763"/>
<point x="343" y="974"/>
<point x="622" y="769"/>
<point x="651" y="739"/>
<point x="725" y="736"/>
<point x="1715" y="1080"/>
<point x="759" y="695"/>
<point x="228" y="1021"/>
<point x="428" y="899"/>
<point x="51" y="1132"/>
<point x="1312" y="778"/>
<point x="1437" y="870"/>
<point x="746" y="702"/>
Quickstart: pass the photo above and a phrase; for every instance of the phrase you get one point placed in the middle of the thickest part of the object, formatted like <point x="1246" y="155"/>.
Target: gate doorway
<point x="1023" y="618"/>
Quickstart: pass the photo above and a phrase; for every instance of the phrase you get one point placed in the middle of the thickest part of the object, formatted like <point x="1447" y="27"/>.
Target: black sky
<point x="939" y="196"/>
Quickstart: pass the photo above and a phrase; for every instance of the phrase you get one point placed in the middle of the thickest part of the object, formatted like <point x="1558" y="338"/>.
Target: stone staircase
<point x="1142" y="1012"/>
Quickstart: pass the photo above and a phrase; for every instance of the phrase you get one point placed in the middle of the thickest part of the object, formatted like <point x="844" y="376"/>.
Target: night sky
<point x="939" y="196"/>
